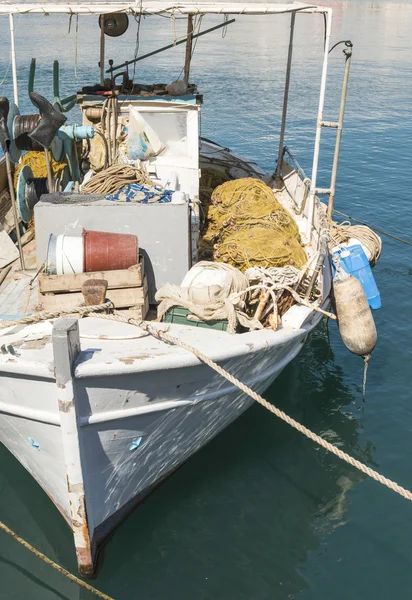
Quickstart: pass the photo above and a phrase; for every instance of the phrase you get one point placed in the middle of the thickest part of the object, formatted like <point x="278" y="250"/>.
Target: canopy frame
<point x="155" y="7"/>
<point x="142" y="7"/>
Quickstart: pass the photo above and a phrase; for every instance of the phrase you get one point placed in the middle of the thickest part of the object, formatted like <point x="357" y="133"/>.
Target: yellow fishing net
<point x="37" y="162"/>
<point x="259" y="245"/>
<point x="211" y="177"/>
<point x="247" y="226"/>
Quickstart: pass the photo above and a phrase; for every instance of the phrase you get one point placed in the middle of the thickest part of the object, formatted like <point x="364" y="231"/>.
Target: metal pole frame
<point x="13" y="60"/>
<point x="312" y="192"/>
<point x="348" y="56"/>
<point x="188" y="56"/>
<point x="285" y="97"/>
<point x="173" y="45"/>
<point x="102" y="49"/>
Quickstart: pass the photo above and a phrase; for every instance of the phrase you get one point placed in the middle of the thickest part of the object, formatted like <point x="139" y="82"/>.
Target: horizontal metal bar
<point x="183" y="41"/>
<point x="323" y="191"/>
<point x="158" y="7"/>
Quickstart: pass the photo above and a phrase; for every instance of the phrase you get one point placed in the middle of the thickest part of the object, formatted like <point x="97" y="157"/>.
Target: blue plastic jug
<point x="355" y="262"/>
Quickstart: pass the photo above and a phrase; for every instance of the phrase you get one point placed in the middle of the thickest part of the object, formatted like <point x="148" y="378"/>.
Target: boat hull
<point x="111" y="439"/>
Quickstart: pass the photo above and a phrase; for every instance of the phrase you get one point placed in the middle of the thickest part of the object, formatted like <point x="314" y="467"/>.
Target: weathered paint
<point x="66" y="347"/>
<point x="85" y="429"/>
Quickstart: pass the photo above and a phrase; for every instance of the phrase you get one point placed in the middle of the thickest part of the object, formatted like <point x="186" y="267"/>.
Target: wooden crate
<point x="127" y="289"/>
<point x="125" y="278"/>
<point x="137" y="312"/>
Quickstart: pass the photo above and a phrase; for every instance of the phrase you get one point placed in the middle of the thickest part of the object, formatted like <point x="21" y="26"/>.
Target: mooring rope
<point x="378" y="229"/>
<point x="54" y="565"/>
<point x="166" y="337"/>
<point x="46" y="315"/>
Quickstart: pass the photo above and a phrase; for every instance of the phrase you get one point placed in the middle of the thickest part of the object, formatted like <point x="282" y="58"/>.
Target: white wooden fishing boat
<point x="98" y="411"/>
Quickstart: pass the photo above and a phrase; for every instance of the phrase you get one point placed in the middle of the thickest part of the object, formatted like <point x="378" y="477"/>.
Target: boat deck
<point x="19" y="289"/>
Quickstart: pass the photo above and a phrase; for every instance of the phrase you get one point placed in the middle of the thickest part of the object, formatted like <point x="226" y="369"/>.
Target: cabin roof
<point x="159" y="7"/>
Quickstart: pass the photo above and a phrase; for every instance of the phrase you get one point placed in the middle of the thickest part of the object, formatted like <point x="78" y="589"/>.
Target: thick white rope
<point x="166" y="337"/>
<point x="46" y="315"/>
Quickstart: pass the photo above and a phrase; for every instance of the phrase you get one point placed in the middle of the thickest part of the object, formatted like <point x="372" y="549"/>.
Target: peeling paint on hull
<point x="105" y="442"/>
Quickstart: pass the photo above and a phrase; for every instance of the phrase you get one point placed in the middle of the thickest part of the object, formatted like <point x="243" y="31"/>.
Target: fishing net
<point x="247" y="226"/>
<point x="37" y="162"/>
<point x="211" y="178"/>
<point x="259" y="245"/>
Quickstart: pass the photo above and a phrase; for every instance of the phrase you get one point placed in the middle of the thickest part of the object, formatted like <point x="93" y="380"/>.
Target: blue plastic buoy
<point x="354" y="261"/>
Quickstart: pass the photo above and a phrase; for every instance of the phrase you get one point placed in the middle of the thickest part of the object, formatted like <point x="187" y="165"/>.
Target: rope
<point x="342" y="232"/>
<point x="390" y="235"/>
<point x="46" y="315"/>
<point x="55" y="566"/>
<point x="278" y="280"/>
<point x="166" y="337"/>
<point x="114" y="178"/>
<point x="282" y="288"/>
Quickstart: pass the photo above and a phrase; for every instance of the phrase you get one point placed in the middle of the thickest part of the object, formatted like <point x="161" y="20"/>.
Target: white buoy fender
<point x="356" y="324"/>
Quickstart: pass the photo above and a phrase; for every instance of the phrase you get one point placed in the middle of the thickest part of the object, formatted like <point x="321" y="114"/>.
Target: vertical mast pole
<point x="348" y="56"/>
<point x="13" y="60"/>
<point x="189" y="41"/>
<point x="101" y="63"/>
<point x="312" y="192"/>
<point x="285" y="97"/>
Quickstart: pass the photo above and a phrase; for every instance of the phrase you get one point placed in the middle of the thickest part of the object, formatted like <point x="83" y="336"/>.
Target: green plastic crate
<point x="179" y="315"/>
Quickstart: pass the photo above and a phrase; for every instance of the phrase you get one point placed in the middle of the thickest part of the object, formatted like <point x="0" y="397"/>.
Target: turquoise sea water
<point x="261" y="513"/>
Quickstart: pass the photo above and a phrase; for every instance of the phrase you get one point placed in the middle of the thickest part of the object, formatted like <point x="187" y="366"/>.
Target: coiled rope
<point x="114" y="178"/>
<point x="342" y="232"/>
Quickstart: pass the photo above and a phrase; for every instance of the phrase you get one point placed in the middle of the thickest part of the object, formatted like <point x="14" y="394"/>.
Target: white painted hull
<point x="174" y="411"/>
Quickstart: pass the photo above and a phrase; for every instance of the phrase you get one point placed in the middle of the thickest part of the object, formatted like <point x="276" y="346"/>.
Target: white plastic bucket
<point x="65" y="255"/>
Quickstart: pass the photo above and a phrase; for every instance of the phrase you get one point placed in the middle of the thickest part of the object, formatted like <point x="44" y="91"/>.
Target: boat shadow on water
<point x="260" y="494"/>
